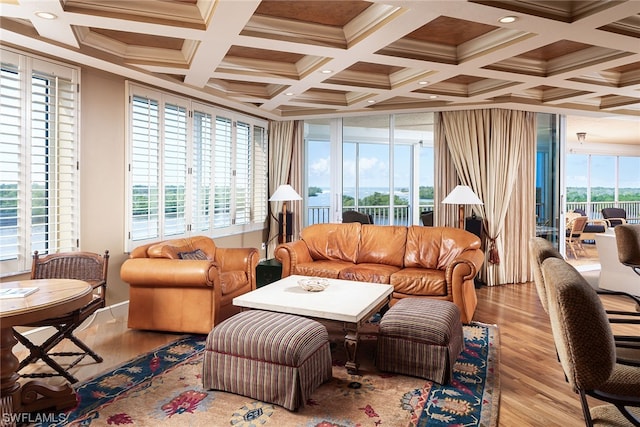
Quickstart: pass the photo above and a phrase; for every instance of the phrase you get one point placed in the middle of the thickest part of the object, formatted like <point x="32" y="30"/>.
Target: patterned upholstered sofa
<point x="186" y="285"/>
<point x="429" y="262"/>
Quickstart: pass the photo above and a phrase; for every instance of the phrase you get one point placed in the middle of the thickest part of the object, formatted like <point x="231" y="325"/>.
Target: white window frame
<point x="54" y="122"/>
<point x="196" y="219"/>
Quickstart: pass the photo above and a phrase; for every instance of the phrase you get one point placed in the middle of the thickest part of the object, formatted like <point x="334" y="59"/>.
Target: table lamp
<point x="462" y="195"/>
<point x="283" y="194"/>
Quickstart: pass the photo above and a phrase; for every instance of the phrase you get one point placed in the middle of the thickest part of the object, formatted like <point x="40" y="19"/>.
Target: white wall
<point x="102" y="173"/>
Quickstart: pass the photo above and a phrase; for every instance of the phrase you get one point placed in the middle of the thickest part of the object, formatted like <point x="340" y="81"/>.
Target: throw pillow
<point x="198" y="254"/>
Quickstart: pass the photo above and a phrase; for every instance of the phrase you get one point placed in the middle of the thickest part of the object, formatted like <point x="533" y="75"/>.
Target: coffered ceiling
<point x="283" y="59"/>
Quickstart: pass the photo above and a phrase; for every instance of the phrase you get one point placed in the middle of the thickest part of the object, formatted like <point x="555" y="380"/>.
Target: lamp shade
<point x="462" y="195"/>
<point x="284" y="193"/>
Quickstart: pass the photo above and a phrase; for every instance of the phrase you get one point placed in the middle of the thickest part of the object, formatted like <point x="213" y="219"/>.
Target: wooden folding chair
<point x="87" y="266"/>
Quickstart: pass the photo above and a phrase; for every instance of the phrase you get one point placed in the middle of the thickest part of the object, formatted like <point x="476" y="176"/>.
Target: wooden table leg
<point x="9" y="385"/>
<point x="351" y="347"/>
<point x="31" y="397"/>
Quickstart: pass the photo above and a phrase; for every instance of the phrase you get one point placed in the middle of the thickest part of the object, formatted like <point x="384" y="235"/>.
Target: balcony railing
<point x="594" y="209"/>
<point x="380" y="214"/>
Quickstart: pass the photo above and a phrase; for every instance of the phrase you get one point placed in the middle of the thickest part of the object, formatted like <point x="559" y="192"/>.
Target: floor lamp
<point x="462" y="195"/>
<point x="284" y="194"/>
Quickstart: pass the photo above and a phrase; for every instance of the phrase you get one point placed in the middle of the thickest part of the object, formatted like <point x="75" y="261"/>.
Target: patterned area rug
<point x="164" y="388"/>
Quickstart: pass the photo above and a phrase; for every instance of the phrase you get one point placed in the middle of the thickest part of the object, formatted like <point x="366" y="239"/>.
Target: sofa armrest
<point x="459" y="275"/>
<point x="290" y="254"/>
<point x="239" y="259"/>
<point x="236" y="259"/>
<point x="467" y="265"/>
<point x="163" y="272"/>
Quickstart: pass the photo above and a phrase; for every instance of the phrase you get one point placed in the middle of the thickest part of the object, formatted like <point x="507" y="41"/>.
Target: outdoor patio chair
<point x="355" y="216"/>
<point x="427" y="218"/>
<point x="614" y="216"/>
<point x="87" y="266"/>
<point x="592" y="227"/>
<point x="573" y="239"/>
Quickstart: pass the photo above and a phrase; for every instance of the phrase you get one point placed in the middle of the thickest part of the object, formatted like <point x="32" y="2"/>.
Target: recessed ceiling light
<point x="326" y="71"/>
<point x="371" y="101"/>
<point x="433" y="96"/>
<point x="46" y="15"/>
<point x="289" y="94"/>
<point x="508" y="19"/>
<point x="423" y="82"/>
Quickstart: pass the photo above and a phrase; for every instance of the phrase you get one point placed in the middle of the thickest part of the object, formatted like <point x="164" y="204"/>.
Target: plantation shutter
<point x="192" y="169"/>
<point x="12" y="184"/>
<point x="39" y="206"/>
<point x="260" y="184"/>
<point x="53" y="164"/>
<point x="222" y="173"/>
<point x="145" y="168"/>
<point x="201" y="171"/>
<point x="175" y="169"/>
<point x="243" y="174"/>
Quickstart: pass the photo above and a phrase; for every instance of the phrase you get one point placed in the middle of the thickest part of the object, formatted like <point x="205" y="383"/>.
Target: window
<point x="597" y="181"/>
<point x="193" y="168"/>
<point x="39" y="206"/>
<point x="385" y="164"/>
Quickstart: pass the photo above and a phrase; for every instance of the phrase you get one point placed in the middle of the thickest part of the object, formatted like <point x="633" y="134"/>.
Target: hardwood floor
<point x="533" y="390"/>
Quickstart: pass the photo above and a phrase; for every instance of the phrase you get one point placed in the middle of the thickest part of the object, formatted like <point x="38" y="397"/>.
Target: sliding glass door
<point x="378" y="165"/>
<point x="548" y="179"/>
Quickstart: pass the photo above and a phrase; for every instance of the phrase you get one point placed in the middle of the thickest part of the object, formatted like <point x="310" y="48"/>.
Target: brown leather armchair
<point x="186" y="285"/>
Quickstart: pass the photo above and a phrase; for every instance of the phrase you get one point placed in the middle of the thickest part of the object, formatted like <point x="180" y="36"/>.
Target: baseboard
<point x="112" y="313"/>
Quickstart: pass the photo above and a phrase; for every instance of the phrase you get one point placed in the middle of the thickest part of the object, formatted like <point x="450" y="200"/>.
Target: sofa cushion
<point x="198" y="254"/>
<point x="419" y="282"/>
<point x="172" y="248"/>
<point x="382" y="244"/>
<point x="163" y="250"/>
<point x="332" y="241"/>
<point x="322" y="268"/>
<point x="373" y="273"/>
<point x="594" y="228"/>
<point x="437" y="247"/>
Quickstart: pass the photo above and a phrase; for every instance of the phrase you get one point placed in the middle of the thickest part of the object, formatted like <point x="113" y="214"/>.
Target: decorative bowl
<point x="313" y="284"/>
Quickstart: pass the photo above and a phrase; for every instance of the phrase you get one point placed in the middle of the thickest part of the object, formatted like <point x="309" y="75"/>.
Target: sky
<point x="373" y="166"/>
<point x="602" y="171"/>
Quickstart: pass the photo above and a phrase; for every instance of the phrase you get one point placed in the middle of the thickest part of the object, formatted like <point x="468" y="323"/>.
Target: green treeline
<point x="376" y="199"/>
<point x="602" y="194"/>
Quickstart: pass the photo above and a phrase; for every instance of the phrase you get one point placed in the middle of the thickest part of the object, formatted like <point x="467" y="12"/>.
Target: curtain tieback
<point x="494" y="257"/>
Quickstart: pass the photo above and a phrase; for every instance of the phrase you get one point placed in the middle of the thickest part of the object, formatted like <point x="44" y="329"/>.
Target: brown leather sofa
<point x="186" y="285"/>
<point x="428" y="262"/>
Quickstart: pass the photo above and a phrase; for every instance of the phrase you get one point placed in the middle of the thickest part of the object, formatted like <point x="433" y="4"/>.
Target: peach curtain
<point x="493" y="150"/>
<point x="285" y="142"/>
<point x="445" y="180"/>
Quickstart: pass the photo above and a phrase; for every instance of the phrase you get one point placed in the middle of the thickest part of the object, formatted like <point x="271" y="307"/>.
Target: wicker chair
<point x="586" y="348"/>
<point x="574" y="235"/>
<point x="86" y="266"/>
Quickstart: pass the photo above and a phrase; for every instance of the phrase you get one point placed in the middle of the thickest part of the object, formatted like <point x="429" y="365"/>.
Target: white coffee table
<point x="346" y="301"/>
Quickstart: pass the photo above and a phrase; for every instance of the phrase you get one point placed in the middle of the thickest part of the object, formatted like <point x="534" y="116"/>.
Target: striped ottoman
<point x="272" y="357"/>
<point x="420" y="337"/>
